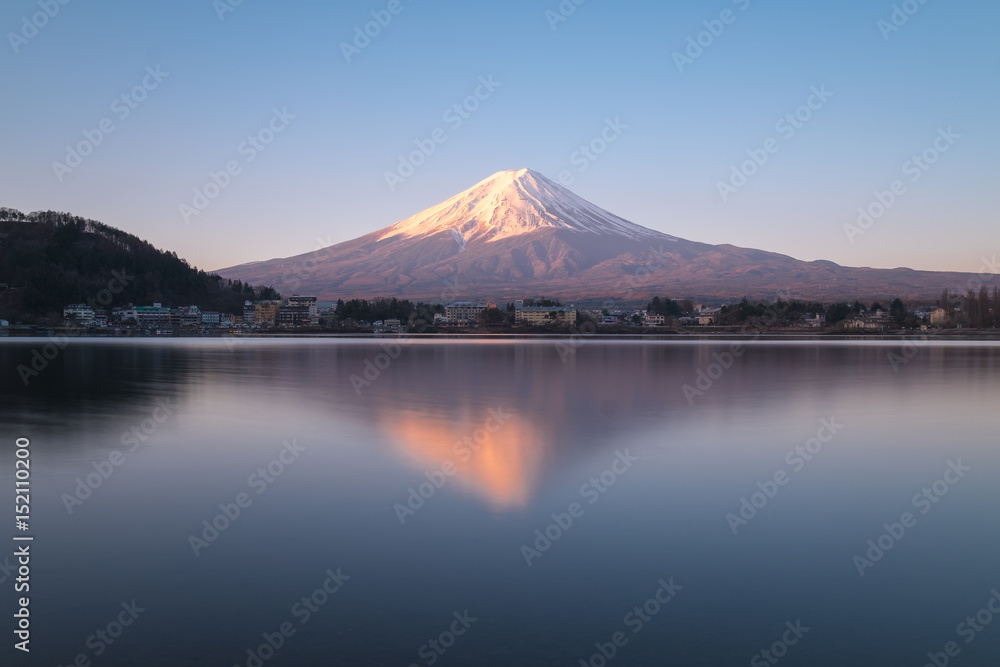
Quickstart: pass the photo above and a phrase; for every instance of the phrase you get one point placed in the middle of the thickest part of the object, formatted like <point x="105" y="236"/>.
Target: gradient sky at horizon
<point x="322" y="179"/>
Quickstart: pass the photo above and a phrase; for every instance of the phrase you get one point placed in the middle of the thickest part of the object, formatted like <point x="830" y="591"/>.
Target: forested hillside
<point x="49" y="260"/>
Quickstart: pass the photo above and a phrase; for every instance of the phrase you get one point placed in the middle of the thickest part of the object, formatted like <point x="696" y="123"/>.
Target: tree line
<point x="362" y="310"/>
<point x="978" y="309"/>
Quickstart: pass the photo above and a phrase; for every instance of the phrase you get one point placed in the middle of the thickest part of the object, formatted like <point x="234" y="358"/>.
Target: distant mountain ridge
<point x="517" y="233"/>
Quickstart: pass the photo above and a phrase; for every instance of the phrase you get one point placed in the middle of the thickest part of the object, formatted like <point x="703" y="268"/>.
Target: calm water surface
<point x="422" y="488"/>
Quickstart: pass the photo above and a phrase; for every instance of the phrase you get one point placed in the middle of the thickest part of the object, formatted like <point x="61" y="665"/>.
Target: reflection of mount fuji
<point x="436" y="405"/>
<point x="493" y="459"/>
<point x="519" y="234"/>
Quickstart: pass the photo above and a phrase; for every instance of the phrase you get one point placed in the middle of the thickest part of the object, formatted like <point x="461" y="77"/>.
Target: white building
<point x="79" y="311"/>
<point x="464" y="311"/>
<point x="814" y="322"/>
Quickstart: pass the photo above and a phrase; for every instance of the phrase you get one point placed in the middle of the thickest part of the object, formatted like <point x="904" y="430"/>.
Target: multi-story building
<point x="248" y="312"/>
<point x="877" y="322"/>
<point x="211" y="318"/>
<point x="155" y="316"/>
<point x="296" y="301"/>
<point x="709" y="316"/>
<point x="654" y="320"/>
<point x="265" y="313"/>
<point x="298" y="311"/>
<point x="78" y="311"/>
<point x="543" y="314"/>
<point x="939" y="316"/>
<point x="462" y="312"/>
<point x="189" y="316"/>
<point x="293" y="316"/>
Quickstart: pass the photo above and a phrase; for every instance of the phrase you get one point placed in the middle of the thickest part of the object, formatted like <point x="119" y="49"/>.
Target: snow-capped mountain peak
<point x="517" y="234"/>
<point x="511" y="203"/>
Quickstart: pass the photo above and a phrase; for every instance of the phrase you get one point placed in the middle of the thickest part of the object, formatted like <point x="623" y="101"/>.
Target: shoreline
<point x="956" y="335"/>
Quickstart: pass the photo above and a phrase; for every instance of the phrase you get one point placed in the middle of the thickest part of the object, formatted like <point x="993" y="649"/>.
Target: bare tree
<point x="971" y="309"/>
<point x="996" y="307"/>
<point x="946" y="302"/>
<point x="985" y="319"/>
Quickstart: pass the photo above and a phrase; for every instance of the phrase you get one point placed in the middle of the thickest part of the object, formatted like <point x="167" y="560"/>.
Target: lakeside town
<point x="306" y="314"/>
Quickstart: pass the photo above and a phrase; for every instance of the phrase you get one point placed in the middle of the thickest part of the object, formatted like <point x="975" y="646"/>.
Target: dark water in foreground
<point x="500" y="436"/>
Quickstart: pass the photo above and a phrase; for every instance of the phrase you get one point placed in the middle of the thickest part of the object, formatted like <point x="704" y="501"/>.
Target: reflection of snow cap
<point x="492" y="455"/>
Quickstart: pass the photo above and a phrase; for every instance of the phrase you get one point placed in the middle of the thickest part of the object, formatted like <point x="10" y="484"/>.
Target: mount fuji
<point x="518" y="234"/>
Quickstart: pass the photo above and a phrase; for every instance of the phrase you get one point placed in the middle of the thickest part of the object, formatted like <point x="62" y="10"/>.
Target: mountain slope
<point x="519" y="234"/>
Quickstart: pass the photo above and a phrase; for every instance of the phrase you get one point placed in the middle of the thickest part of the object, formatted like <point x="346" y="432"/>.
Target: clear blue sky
<point x="322" y="176"/>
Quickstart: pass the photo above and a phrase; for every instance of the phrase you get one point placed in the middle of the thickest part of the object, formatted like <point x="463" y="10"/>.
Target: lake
<point x="508" y="502"/>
